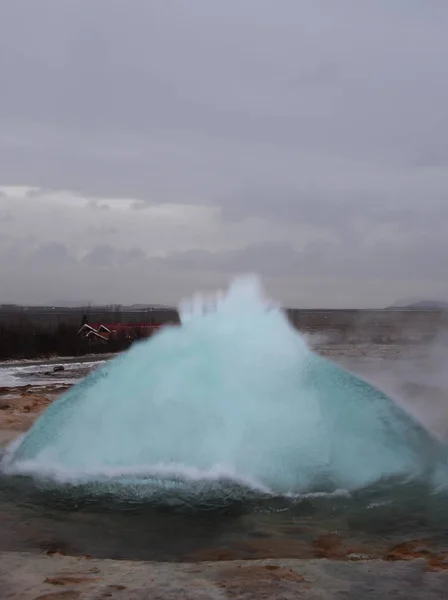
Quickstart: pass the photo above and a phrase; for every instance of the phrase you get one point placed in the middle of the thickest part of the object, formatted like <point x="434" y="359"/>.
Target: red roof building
<point x="106" y="332"/>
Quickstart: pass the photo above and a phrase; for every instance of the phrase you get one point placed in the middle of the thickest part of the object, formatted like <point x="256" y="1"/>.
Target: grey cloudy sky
<point x="149" y="148"/>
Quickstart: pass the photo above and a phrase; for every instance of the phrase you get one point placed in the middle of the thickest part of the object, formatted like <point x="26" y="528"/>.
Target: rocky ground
<point x="20" y="407"/>
<point x="29" y="577"/>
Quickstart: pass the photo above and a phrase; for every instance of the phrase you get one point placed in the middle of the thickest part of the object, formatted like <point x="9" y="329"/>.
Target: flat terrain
<point x="29" y="577"/>
<point x="393" y="324"/>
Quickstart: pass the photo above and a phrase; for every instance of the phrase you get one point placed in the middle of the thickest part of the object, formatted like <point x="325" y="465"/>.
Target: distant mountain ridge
<point x="93" y="305"/>
<point x="87" y="308"/>
<point x="420" y="305"/>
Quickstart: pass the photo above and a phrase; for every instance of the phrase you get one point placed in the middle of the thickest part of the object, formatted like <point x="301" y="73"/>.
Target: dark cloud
<point x="106" y="256"/>
<point x="100" y="256"/>
<point x="53" y="253"/>
<point x="347" y="260"/>
<point x="95" y="205"/>
<point x="323" y="273"/>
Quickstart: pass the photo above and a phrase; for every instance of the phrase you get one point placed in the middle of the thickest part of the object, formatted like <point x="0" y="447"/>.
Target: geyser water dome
<point x="233" y="395"/>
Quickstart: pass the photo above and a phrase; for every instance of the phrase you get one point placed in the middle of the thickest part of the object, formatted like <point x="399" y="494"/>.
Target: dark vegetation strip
<point x="18" y="341"/>
<point x="37" y="333"/>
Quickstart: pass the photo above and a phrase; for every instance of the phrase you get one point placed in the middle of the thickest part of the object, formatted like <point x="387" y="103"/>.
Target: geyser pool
<point x="230" y="404"/>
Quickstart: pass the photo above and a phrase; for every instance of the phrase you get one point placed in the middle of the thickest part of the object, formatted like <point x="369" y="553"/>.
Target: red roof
<point x="114" y="327"/>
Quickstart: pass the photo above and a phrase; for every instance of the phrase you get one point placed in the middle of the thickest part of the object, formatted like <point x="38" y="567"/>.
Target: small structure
<point x="107" y="332"/>
<point x="91" y="332"/>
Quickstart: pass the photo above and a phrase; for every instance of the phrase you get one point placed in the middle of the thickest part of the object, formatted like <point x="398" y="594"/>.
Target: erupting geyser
<point x="233" y="397"/>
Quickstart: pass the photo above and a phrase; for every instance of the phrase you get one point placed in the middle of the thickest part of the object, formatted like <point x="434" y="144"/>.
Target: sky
<point x="153" y="148"/>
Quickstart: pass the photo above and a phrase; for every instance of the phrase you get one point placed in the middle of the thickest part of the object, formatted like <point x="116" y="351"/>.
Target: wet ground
<point x="14" y="374"/>
<point x="372" y="524"/>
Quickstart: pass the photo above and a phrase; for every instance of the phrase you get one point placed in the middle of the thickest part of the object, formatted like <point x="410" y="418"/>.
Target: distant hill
<point x="420" y="305"/>
<point x="146" y="306"/>
<point x="73" y="303"/>
<point x="77" y="306"/>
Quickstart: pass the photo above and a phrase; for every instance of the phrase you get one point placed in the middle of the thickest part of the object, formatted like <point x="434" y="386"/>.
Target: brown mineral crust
<point x="435" y="561"/>
<point x="409" y="551"/>
<point x="331" y="546"/>
<point x="259" y="581"/>
<point x="20" y="407"/>
<point x="438" y="562"/>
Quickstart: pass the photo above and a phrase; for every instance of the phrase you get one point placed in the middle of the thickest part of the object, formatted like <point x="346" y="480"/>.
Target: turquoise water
<point x="230" y="406"/>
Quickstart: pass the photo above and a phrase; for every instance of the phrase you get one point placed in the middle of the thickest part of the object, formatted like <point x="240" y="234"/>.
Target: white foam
<point x="235" y="385"/>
